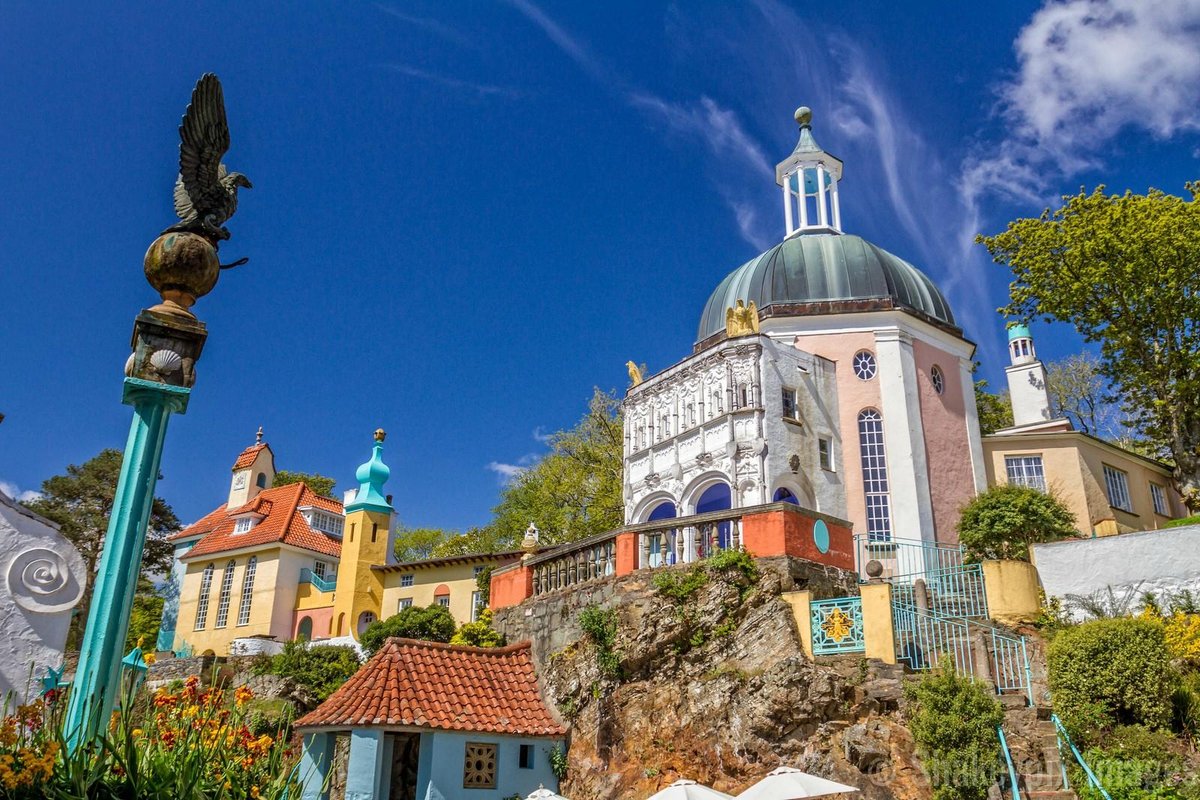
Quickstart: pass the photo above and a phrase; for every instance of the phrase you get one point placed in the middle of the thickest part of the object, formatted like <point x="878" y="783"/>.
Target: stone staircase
<point x="1033" y="746"/>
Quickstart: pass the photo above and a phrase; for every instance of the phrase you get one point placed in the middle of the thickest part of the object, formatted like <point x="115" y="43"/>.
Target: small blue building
<point x="426" y="721"/>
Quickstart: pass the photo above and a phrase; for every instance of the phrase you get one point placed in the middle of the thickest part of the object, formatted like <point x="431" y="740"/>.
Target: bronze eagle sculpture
<point x="206" y="193"/>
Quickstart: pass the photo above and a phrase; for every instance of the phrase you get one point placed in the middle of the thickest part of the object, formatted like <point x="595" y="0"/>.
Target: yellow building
<point x="285" y="563"/>
<point x="1110" y="490"/>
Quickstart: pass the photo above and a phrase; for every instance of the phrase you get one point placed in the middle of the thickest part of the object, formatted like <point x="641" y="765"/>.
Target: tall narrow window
<point x="202" y="602"/>
<point x="791" y="409"/>
<point x="1117" y="484"/>
<point x="875" y="476"/>
<point x="1159" y="495"/>
<point x="223" y="600"/>
<point x="1025" y="471"/>
<point x="247" y="591"/>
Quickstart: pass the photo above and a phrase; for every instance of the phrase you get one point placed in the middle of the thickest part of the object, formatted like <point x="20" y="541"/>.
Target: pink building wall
<point x="321" y="618"/>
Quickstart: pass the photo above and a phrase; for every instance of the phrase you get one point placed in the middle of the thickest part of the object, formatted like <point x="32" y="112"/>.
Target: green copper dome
<point x="837" y="269"/>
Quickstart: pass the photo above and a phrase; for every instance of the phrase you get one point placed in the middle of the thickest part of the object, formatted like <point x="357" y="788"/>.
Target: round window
<point x="864" y="365"/>
<point x="938" y="379"/>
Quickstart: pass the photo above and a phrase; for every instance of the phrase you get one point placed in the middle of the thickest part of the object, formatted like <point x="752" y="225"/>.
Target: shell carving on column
<point x="44" y="580"/>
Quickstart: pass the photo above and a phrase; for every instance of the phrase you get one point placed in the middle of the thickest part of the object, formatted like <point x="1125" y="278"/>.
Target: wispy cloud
<point x="434" y="26"/>
<point x="18" y="494"/>
<point x="506" y="471"/>
<point x="576" y="50"/>
<point x="541" y="435"/>
<point x="482" y="89"/>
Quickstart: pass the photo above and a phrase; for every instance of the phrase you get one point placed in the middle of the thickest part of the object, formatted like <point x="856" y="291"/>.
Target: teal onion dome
<point x="1018" y="330"/>
<point x="826" y="273"/>
<point x="371" y="477"/>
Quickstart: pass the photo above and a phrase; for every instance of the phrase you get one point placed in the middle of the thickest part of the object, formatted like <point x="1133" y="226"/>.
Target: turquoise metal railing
<point x="953" y="588"/>
<point x="1091" y="776"/>
<point x="837" y="626"/>
<point x="1012" y="771"/>
<point x="321" y="584"/>
<point x="924" y="638"/>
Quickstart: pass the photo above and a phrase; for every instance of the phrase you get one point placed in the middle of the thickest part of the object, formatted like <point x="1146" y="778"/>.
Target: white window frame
<point x="876" y="486"/>
<point x="408" y="581"/>
<point x="795" y="403"/>
<point x="865" y="366"/>
<point x="405" y="602"/>
<point x="825" y="454"/>
<point x="202" y="602"/>
<point x="1158" y="497"/>
<point x="223" y="600"/>
<point x="443" y="600"/>
<point x="247" y="591"/>
<point x="1116" y="486"/>
<point x="938" y="379"/>
<point x="476" y="598"/>
<point x="320" y="569"/>
<point x="243" y="525"/>
<point x="1026" y="470"/>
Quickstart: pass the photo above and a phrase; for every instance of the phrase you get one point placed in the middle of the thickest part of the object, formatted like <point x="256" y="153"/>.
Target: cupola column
<point x="809" y="178"/>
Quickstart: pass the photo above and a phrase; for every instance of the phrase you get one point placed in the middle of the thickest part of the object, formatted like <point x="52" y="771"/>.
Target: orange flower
<point x="243" y="695"/>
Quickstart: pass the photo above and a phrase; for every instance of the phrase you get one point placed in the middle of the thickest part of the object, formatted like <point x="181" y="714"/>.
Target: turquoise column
<point x="364" y="770"/>
<point x="313" y="770"/>
<point x="96" y="687"/>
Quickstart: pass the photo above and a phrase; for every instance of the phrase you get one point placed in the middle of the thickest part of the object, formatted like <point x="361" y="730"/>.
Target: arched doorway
<point x="364" y="621"/>
<point x="660" y="545"/>
<point x="304" y="631"/>
<point x="718" y="497"/>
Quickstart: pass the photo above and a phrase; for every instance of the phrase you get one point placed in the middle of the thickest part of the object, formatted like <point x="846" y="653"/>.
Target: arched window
<point x="223" y="600"/>
<point x="341" y="624"/>
<point x="664" y="510"/>
<point x="304" y="631"/>
<point x="364" y="620"/>
<point x="937" y="379"/>
<point x="248" y="592"/>
<point x="261" y="480"/>
<point x="875" y="475"/>
<point x="202" y="602"/>
<point x="717" y="497"/>
<point x="864" y="365"/>
<point x="784" y="495"/>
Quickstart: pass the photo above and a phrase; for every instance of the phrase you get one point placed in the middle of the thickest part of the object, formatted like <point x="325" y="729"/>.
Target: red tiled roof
<point x="429" y="685"/>
<point x="280" y="523"/>
<point x="247" y="456"/>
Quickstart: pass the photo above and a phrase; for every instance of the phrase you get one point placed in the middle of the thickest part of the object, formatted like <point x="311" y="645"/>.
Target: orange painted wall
<point x="511" y="587"/>
<point x="627" y="553"/>
<point x="790" y="533"/>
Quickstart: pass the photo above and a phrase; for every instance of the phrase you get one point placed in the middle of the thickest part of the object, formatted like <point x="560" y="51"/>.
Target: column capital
<point x="173" y="398"/>
<point x="894" y="335"/>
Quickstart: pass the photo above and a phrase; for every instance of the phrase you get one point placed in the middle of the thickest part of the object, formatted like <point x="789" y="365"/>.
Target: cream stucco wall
<point x="1074" y="467"/>
<point x="459" y="578"/>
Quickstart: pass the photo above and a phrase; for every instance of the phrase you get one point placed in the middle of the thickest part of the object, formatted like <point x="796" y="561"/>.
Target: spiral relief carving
<point x="43" y="580"/>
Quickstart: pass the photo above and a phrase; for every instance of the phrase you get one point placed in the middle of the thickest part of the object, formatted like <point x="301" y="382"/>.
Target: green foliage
<point x="679" y="585"/>
<point x="320" y="484"/>
<point x="1124" y="270"/>
<point x="995" y="410"/>
<point x="1053" y="616"/>
<point x="1105" y="603"/>
<point x="1111" y="672"/>
<point x="479" y="633"/>
<point x="418" y="544"/>
<point x="558" y="762"/>
<point x="1003" y="521"/>
<point x="145" y="617"/>
<point x="81" y="501"/>
<point x="472" y="542"/>
<point x="1078" y="390"/>
<point x="432" y="624"/>
<point x="600" y="626"/>
<point x="1175" y="523"/>
<point x="736" y="564"/>
<point x="953" y="720"/>
<point x="483" y="584"/>
<point x="574" y="491"/>
<point x="320" y="668"/>
<point x="1132" y="763"/>
<point x="1185" y="706"/>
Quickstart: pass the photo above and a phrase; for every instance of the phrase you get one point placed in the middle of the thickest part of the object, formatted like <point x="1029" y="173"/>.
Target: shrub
<point x="1175" y="523"/>
<point x="739" y="563"/>
<point x="479" y="633"/>
<point x="321" y="668"/>
<point x="431" y="624"/>
<point x="679" y="585"/>
<point x="1111" y="672"/>
<point x="600" y="626"/>
<point x="1002" y="522"/>
<point x="953" y="721"/>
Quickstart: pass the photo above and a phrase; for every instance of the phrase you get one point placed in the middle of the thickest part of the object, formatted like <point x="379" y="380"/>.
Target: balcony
<point x="318" y="583"/>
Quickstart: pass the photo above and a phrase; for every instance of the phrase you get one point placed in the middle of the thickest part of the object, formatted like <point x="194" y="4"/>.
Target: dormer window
<point x="332" y="524"/>
<point x="243" y="525"/>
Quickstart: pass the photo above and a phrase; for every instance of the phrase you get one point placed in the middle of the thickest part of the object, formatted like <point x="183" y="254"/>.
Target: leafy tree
<point x="483" y="584"/>
<point x="1125" y="271"/>
<point x="320" y="484"/>
<point x="418" y="544"/>
<point x="994" y="410"/>
<point x="322" y="668"/>
<point x="432" y="624"/>
<point x="1111" y="672"/>
<point x="953" y="720"/>
<point x="474" y="540"/>
<point x="145" y="618"/>
<point x="81" y="501"/>
<point x="1003" y="521"/>
<point x="1079" y="391"/>
<point x="574" y="491"/>
<point x="479" y="633"/>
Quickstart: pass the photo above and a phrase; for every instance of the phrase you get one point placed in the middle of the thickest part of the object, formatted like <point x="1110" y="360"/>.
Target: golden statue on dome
<point x="742" y="320"/>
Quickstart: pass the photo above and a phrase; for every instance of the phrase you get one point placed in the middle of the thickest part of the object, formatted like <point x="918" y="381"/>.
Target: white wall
<point x="1133" y="563"/>
<point x="42" y="578"/>
<point x="443" y="755"/>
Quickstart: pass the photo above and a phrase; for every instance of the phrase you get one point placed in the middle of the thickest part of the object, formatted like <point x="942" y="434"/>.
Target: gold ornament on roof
<point x="741" y="320"/>
<point x="635" y="374"/>
<point x="380" y="434"/>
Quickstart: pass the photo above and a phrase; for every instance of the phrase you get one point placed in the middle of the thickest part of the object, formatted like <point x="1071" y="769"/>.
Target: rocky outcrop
<point x="715" y="688"/>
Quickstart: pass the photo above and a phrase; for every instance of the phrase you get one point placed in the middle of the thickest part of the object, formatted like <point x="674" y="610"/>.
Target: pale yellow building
<point x="451" y="582"/>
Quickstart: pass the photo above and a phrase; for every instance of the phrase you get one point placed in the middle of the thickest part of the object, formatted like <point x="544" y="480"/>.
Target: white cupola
<point x="1026" y="379"/>
<point x="809" y="178"/>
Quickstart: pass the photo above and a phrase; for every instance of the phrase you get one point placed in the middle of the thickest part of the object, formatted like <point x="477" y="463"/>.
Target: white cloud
<point x="429" y="24"/>
<point x="574" y="49"/>
<point x="16" y="493"/>
<point x="540" y="434"/>
<point x="484" y="89"/>
<point x="506" y="471"/>
<point x="1087" y="71"/>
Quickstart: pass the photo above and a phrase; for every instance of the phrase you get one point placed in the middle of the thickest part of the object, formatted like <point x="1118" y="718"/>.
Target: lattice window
<point x="479" y="769"/>
<point x="937" y="379"/>
<point x="247" y="591"/>
<point x="1025" y="471"/>
<point x="864" y="365"/>
<point x="226" y="591"/>
<point x="406" y="581"/>
<point x="1117" y="484"/>
<point x="791" y="408"/>
<point x="1159" y="495"/>
<point x="875" y="475"/>
<point x="202" y="602"/>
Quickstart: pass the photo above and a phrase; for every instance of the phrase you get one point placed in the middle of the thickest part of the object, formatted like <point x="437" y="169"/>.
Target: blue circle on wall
<point x="821" y="536"/>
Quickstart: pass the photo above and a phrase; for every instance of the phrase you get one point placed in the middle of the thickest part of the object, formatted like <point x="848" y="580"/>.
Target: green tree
<point x="320" y="484"/>
<point x="471" y="542"/>
<point x="81" y="501"/>
<point x="994" y="410"/>
<point x="1079" y="391"/>
<point x="1003" y="521"/>
<point x="321" y="668"/>
<point x="431" y="624"/>
<point x="145" y="617"/>
<point x="479" y="633"/>
<point x="418" y="544"/>
<point x="574" y="491"/>
<point x="1111" y="672"/>
<point x="953" y="720"/>
<point x="1125" y="271"/>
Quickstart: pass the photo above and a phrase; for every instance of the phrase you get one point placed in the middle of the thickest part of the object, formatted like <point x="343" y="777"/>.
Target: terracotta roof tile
<point x="247" y="456"/>
<point x="448" y="687"/>
<point x="280" y="523"/>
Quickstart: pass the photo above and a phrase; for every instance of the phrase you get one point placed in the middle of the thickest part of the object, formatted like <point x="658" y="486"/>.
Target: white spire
<point x="809" y="178"/>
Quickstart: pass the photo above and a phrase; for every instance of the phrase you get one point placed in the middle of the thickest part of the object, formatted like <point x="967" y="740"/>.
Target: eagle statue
<point x="206" y="193"/>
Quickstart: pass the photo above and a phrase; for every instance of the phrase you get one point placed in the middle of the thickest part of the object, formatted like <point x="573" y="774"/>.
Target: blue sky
<point x="466" y="215"/>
